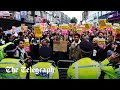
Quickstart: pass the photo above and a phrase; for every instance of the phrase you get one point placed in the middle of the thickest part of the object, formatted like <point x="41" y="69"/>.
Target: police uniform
<point x="84" y="68"/>
<point x="110" y="70"/>
<point x="2" y="53"/>
<point x="10" y="68"/>
<point x="45" y="53"/>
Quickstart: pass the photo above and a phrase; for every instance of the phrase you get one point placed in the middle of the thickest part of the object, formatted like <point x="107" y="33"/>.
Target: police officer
<point x="45" y="69"/>
<point x="10" y="67"/>
<point x="84" y="68"/>
<point x="2" y="53"/>
<point x="111" y="66"/>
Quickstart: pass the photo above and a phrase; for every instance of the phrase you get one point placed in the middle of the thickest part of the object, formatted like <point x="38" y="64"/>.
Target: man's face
<point x="100" y="35"/>
<point x="21" y="44"/>
<point x="44" y="43"/>
<point x="95" y="42"/>
<point x="76" y="38"/>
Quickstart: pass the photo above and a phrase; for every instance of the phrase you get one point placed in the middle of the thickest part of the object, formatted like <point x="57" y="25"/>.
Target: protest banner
<point x="38" y="31"/>
<point x="60" y="46"/>
<point x="102" y="24"/>
<point x="27" y="45"/>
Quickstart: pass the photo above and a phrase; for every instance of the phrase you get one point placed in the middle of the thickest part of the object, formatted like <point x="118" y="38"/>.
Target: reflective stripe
<point x="11" y="50"/>
<point x="102" y="65"/>
<point x="88" y="66"/>
<point x="35" y="66"/>
<point x="11" y="77"/>
<point x="76" y="70"/>
<point x="7" y="63"/>
<point x="50" y="74"/>
<point x="23" y="77"/>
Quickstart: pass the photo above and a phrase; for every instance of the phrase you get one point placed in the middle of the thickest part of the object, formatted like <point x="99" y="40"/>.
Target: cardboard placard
<point x="60" y="46"/>
<point x="38" y="31"/>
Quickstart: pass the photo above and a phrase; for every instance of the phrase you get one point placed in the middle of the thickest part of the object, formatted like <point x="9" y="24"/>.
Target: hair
<point x="76" y="34"/>
<point x="100" y="32"/>
<point x="96" y="39"/>
<point x="20" y="33"/>
<point x="19" y="41"/>
<point x="53" y="34"/>
<point x="45" y="40"/>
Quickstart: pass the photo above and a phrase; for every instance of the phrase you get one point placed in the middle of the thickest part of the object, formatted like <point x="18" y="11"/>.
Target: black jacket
<point x="100" y="54"/>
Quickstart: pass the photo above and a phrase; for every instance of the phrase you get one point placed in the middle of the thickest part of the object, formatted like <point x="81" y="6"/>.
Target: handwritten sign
<point x="60" y="46"/>
<point x="38" y="31"/>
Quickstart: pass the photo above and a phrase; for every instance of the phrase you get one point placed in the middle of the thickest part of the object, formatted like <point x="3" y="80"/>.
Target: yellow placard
<point x="64" y="27"/>
<point x="26" y="43"/>
<point x="117" y="31"/>
<point x="101" y="42"/>
<point x="53" y="27"/>
<point x="38" y="31"/>
<point x="79" y="30"/>
<point x="108" y="25"/>
<point x="102" y="24"/>
<point x="88" y="26"/>
<point x="22" y="28"/>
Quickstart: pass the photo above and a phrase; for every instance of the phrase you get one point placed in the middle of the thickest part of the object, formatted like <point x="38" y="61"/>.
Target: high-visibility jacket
<point x="10" y="68"/>
<point x="43" y="67"/>
<point x="84" y="68"/>
<point x="109" y="71"/>
<point x="2" y="53"/>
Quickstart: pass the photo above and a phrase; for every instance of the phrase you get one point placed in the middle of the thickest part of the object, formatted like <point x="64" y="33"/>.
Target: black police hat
<point x="10" y="48"/>
<point x="86" y="46"/>
<point x="45" y="52"/>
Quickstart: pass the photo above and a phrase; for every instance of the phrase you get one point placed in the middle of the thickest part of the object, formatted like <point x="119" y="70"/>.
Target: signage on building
<point x="17" y="15"/>
<point x="23" y="14"/>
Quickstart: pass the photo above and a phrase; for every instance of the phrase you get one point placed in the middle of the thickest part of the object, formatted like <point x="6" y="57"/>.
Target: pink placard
<point x="27" y="49"/>
<point x="64" y="32"/>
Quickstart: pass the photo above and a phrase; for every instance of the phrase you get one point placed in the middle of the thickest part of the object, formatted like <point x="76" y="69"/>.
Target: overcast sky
<point x="77" y="14"/>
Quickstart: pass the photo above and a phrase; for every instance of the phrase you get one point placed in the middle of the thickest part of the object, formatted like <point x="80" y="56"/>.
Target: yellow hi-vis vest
<point x="2" y="54"/>
<point x="10" y="68"/>
<point x="45" y="71"/>
<point x="84" y="68"/>
<point x="110" y="72"/>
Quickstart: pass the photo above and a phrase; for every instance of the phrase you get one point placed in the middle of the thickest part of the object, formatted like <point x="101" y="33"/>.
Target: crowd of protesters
<point x="73" y="39"/>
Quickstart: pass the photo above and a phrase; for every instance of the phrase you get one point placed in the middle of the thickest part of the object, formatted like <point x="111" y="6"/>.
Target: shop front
<point x="114" y="17"/>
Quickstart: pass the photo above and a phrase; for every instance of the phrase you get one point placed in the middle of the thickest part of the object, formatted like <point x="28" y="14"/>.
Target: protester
<point x="98" y="52"/>
<point x="74" y="53"/>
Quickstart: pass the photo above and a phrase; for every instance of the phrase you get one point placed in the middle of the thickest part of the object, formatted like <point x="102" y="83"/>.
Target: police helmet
<point x="10" y="50"/>
<point x="45" y="53"/>
<point x="86" y="46"/>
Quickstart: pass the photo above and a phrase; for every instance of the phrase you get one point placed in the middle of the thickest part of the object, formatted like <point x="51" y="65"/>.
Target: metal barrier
<point x="36" y="61"/>
<point x="63" y="66"/>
